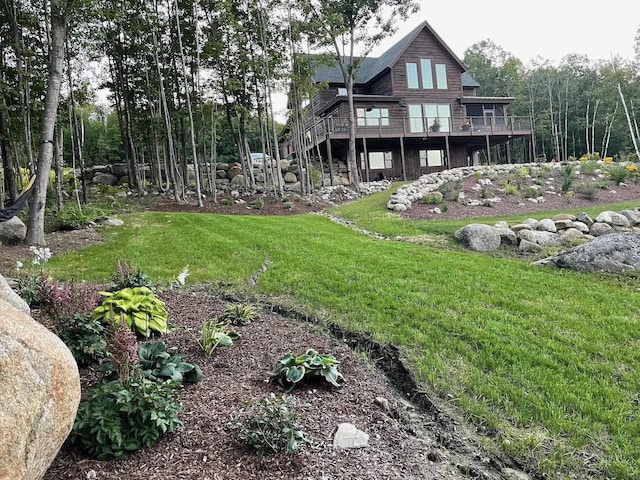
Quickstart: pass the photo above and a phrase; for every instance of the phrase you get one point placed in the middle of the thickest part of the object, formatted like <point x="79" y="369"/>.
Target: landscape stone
<point x="546" y="225"/>
<point x="507" y="236"/>
<point x="584" y="218"/>
<point x="479" y="237"/>
<point x="13" y="231"/>
<point x="613" y="253"/>
<point x="521" y="226"/>
<point x="348" y="436"/>
<point x="571" y="235"/>
<point x="290" y="177"/>
<point x="238" y="181"/>
<point x="546" y="239"/>
<point x="583" y="227"/>
<point x="105" y="179"/>
<point x="109" y="221"/>
<point x="501" y="224"/>
<point x="12" y="298"/>
<point x="564" y="216"/>
<point x="562" y="224"/>
<point x="529" y="247"/>
<point x="632" y="216"/>
<point x="39" y="394"/>
<point x="600" y="228"/>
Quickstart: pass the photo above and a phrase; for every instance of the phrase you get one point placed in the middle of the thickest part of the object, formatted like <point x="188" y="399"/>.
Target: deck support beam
<point x="403" y="160"/>
<point x="330" y="159"/>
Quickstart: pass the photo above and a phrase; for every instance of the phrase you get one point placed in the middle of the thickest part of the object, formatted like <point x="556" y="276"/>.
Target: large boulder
<point x="615" y="252"/>
<point x="479" y="237"/>
<point x="12" y="232"/>
<point x="105" y="179"/>
<point x="12" y="298"/>
<point x="39" y="394"/>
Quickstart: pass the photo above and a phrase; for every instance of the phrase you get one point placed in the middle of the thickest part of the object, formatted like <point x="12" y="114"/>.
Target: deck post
<point x="488" y="150"/>
<point x="366" y="157"/>
<point x="448" y="150"/>
<point x="403" y="160"/>
<point x="330" y="159"/>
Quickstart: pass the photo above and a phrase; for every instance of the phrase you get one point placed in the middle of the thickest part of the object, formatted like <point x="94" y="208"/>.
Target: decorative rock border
<point x="533" y="235"/>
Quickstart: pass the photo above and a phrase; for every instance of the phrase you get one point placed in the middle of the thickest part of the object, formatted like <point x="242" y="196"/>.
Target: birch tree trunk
<point x="37" y="202"/>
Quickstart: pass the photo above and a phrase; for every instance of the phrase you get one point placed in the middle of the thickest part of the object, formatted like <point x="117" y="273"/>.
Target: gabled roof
<point x="373" y="67"/>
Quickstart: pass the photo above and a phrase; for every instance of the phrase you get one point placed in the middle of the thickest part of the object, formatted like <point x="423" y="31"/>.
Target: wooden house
<point x="416" y="112"/>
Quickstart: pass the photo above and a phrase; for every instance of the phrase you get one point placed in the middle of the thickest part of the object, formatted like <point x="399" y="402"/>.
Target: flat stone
<point x="348" y="436"/>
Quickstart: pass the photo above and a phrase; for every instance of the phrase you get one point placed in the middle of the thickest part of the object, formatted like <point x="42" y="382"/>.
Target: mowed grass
<point x="545" y="362"/>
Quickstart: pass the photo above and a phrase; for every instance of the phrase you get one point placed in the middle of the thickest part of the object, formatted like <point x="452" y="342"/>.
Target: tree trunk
<point x="37" y="202"/>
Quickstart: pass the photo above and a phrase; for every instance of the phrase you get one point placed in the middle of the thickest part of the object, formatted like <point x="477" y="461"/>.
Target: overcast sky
<point x="548" y="28"/>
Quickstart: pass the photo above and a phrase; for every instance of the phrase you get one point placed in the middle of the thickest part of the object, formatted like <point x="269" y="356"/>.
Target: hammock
<point x="21" y="201"/>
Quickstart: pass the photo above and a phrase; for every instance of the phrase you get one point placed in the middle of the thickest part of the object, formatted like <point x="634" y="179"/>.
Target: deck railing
<point x="388" y="127"/>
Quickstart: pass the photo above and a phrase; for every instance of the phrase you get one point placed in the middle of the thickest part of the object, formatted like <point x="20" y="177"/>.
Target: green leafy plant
<point x="273" y="426"/>
<point x="451" y="190"/>
<point x="433" y="198"/>
<point x="86" y="339"/>
<point x="138" y="307"/>
<point x="567" y="177"/>
<point x="238" y="314"/>
<point x="72" y="217"/>
<point x="510" y="188"/>
<point x="157" y="363"/>
<point x="117" y="419"/>
<point x="618" y="173"/>
<point x="128" y="276"/>
<point x="292" y="369"/>
<point x="588" y="190"/>
<point x="28" y="288"/>
<point x="258" y="204"/>
<point x="214" y="335"/>
<point x="226" y="201"/>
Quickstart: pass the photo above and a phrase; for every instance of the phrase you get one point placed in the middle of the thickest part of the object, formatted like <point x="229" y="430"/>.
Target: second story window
<point x="412" y="75"/>
<point x="372" y="117"/>
<point x="441" y="76"/>
<point x="342" y="92"/>
<point x="427" y="76"/>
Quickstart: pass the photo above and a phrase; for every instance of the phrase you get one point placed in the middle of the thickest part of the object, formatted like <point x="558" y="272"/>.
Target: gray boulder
<point x="39" y="394"/>
<point x="632" y="216"/>
<point x="290" y="177"/>
<point x="546" y="225"/>
<point x="616" y="252"/>
<point x="584" y="218"/>
<point x="348" y="436"/>
<point x="12" y="232"/>
<point x="12" y="298"/>
<point x="105" y="179"/>
<point x="526" y="246"/>
<point x="546" y="239"/>
<point x="238" y="181"/>
<point x="507" y="236"/>
<point x="479" y="237"/>
<point x="600" y="228"/>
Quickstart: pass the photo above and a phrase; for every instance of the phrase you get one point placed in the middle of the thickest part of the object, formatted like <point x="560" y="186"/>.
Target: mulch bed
<point x="237" y="376"/>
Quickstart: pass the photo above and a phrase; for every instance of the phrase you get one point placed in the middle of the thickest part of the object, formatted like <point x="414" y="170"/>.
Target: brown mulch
<point x="237" y="376"/>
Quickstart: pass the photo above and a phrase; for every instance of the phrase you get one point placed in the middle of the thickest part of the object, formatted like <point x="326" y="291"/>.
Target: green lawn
<point x="546" y="361"/>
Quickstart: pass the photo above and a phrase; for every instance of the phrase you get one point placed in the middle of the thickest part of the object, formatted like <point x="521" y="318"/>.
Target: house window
<point x="427" y="75"/>
<point x="342" y="92"/>
<point x="434" y="117"/>
<point x="441" y="76"/>
<point x="380" y="160"/>
<point x="412" y="75"/>
<point x="431" y="158"/>
<point x="374" y="117"/>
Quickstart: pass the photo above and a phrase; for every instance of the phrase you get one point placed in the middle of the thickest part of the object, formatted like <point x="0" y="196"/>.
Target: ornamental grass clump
<point x="293" y="369"/>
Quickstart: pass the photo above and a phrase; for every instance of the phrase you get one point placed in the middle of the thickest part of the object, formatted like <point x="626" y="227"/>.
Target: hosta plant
<point x="156" y="362"/>
<point x="293" y="369"/>
<point x="138" y="307"/>
<point x="214" y="335"/>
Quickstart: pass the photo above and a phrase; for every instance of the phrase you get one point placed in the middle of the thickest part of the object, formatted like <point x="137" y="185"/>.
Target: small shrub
<point x="510" y="188"/>
<point x="29" y="288"/>
<point x="618" y="173"/>
<point x="589" y="166"/>
<point x="288" y="205"/>
<point x="72" y="217"/>
<point x="523" y="172"/>
<point x="316" y="177"/>
<point x="258" y="204"/>
<point x="433" y="198"/>
<point x="567" y="177"/>
<point x="138" y="307"/>
<point x="226" y="201"/>
<point x="86" y="339"/>
<point x="588" y="190"/>
<point x="238" y="314"/>
<point x="531" y="192"/>
<point x="117" y="418"/>
<point x="214" y="335"/>
<point x="292" y="369"/>
<point x="451" y="190"/>
<point x="273" y="427"/>
<point x="128" y="276"/>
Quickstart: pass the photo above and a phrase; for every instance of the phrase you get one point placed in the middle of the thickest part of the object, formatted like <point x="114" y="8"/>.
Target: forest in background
<point x="196" y="80"/>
